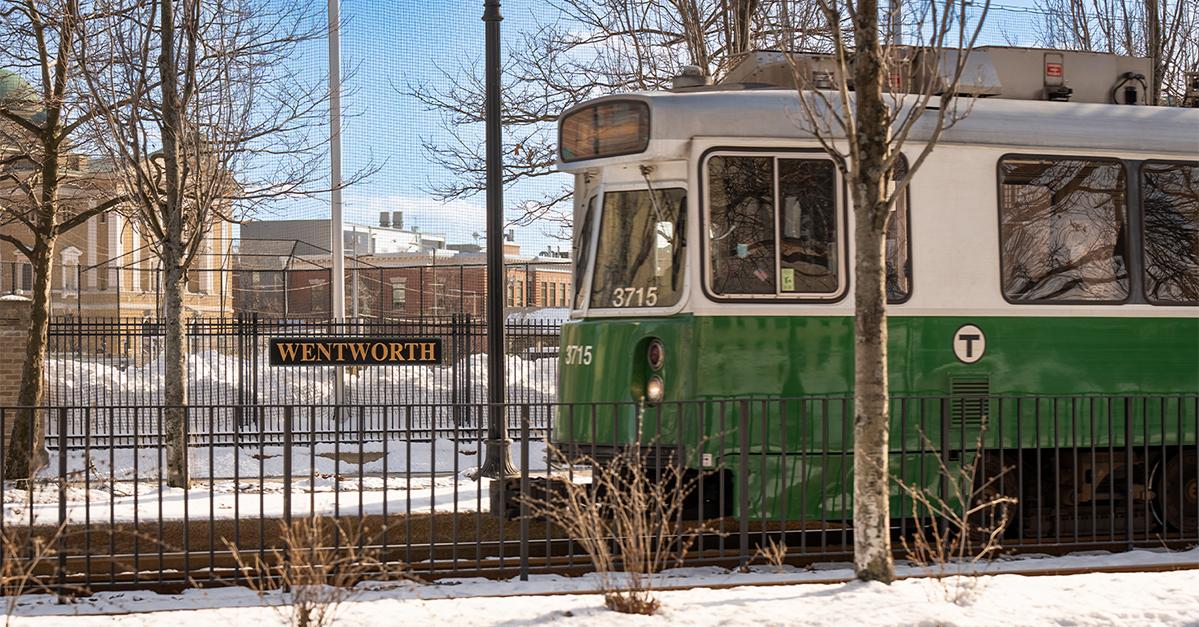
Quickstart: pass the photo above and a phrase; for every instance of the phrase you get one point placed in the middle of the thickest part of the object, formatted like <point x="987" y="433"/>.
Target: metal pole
<point x="336" y="230"/>
<point x="896" y="22"/>
<point x="498" y="461"/>
<point x="354" y="281"/>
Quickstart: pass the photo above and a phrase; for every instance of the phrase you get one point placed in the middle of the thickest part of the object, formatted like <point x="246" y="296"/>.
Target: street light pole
<point x="497" y="463"/>
<point x="336" y="230"/>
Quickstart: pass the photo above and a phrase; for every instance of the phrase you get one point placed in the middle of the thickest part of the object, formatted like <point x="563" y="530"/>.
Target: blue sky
<point x="385" y="47"/>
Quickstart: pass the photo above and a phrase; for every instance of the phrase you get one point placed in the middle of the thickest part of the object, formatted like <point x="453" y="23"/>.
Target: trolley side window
<point x="808" y="242"/>
<point x="1063" y="230"/>
<point x="742" y="225"/>
<point x="639" y="256"/>
<point x="774" y="229"/>
<point x="899" y="241"/>
<point x="1170" y="214"/>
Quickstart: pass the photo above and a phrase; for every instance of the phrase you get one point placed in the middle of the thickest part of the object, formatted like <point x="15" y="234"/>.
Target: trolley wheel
<point x="1180" y="513"/>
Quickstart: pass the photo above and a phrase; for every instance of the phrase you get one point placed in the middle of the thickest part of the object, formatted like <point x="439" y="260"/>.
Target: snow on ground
<point x="420" y="477"/>
<point x="1143" y="598"/>
<point x="348" y="459"/>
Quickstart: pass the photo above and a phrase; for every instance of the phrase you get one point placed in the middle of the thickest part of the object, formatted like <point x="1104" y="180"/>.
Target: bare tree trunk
<point x="1153" y="45"/>
<point x="175" y="347"/>
<point x="175" y="369"/>
<point x="871" y="515"/>
<point x="27" y="447"/>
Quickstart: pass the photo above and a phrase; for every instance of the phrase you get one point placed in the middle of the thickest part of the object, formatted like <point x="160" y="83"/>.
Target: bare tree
<point x="214" y="117"/>
<point x="1167" y="31"/>
<point x="593" y="48"/>
<point x="45" y="188"/>
<point x="864" y="131"/>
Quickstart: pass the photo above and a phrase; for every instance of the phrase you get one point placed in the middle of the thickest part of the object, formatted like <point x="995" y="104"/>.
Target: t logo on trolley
<point x="969" y="344"/>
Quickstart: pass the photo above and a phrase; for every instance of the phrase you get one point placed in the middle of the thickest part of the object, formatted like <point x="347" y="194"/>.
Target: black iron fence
<point x="1074" y="473"/>
<point x="117" y="364"/>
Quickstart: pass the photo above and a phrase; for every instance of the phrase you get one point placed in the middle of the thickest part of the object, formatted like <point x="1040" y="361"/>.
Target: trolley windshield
<point x="639" y="254"/>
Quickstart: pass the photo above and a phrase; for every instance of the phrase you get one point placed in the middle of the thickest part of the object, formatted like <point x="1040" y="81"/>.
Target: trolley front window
<point x="639" y="255"/>
<point x="582" y="252"/>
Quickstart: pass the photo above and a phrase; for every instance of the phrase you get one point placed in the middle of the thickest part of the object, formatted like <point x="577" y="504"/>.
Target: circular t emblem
<point x="969" y="344"/>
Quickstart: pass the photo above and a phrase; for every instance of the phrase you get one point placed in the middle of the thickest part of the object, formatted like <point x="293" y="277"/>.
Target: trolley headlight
<point x="654" y="390"/>
<point x="655" y="354"/>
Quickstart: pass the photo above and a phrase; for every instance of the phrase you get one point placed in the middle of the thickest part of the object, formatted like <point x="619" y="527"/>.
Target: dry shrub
<point x="22" y="569"/>
<point x="627" y="519"/>
<point x="774" y="552"/>
<point x="960" y="528"/>
<point x="308" y="577"/>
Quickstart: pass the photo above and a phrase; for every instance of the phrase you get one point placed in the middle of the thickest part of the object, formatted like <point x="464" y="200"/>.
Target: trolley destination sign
<point x="355" y="351"/>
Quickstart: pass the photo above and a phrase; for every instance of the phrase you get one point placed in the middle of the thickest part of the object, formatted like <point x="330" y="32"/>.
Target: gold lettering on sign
<point x="287" y="350"/>
<point x="344" y="351"/>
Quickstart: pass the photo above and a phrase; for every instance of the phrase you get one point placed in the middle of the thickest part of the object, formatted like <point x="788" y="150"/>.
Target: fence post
<point x="455" y="352"/>
<point x="524" y="492"/>
<point x="61" y="575"/>
<point x="1128" y="463"/>
<point x="287" y="448"/>
<point x="743" y="480"/>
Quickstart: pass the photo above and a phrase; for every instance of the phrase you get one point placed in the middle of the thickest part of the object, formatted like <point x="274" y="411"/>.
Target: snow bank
<point x="218" y="378"/>
<point x="1166" y="598"/>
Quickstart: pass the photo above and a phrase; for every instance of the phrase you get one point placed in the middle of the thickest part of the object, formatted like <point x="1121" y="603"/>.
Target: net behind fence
<point x="117" y="364"/>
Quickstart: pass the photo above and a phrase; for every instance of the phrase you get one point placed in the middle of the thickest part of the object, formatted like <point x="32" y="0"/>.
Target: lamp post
<point x="497" y="462"/>
<point x="336" y="229"/>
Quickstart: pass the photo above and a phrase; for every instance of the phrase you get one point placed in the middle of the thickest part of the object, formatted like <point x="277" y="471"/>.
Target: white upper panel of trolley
<point x="677" y="118"/>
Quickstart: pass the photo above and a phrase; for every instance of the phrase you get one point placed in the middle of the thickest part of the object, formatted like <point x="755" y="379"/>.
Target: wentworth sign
<point x="355" y="351"/>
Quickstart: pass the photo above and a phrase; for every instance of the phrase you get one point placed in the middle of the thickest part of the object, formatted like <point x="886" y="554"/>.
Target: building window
<point x="520" y="293"/>
<point x="26" y="277"/>
<point x="1170" y="210"/>
<point x="1063" y="233"/>
<point x="399" y="292"/>
<point x="70" y="277"/>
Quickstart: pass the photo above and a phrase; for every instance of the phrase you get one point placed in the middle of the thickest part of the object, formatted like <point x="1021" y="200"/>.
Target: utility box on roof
<point x="989" y="72"/>
<point x="1097" y="77"/>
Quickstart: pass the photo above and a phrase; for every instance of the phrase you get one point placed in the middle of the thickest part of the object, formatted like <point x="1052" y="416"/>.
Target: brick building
<point x="105" y="266"/>
<point x="397" y="285"/>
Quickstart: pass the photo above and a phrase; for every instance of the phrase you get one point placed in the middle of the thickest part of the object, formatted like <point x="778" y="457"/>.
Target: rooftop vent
<point x="691" y="76"/>
<point x="1191" y="99"/>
